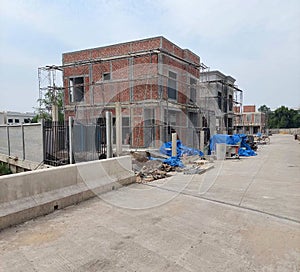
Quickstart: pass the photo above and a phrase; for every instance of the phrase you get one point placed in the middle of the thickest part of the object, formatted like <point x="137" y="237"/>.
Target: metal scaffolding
<point x="50" y="84"/>
<point x="151" y="118"/>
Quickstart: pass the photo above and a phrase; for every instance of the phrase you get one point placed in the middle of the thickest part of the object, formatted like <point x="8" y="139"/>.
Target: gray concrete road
<point x="243" y="215"/>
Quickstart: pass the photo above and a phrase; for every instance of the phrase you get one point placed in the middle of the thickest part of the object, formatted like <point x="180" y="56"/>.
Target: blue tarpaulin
<point x="236" y="139"/>
<point x="223" y="139"/>
<point x="166" y="149"/>
<point x="174" y="161"/>
<point x="245" y="149"/>
<point x="156" y="159"/>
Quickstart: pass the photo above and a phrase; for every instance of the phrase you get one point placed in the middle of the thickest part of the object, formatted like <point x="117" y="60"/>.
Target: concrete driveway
<point x="243" y="215"/>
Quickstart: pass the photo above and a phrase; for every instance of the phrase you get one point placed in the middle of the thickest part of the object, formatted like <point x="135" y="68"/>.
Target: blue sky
<point x="255" y="41"/>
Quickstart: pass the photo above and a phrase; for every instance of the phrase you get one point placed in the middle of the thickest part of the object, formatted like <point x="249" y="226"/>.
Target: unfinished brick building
<point x="249" y="121"/>
<point x="153" y="81"/>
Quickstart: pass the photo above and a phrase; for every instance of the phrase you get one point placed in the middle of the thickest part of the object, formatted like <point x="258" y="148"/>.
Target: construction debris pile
<point x="153" y="170"/>
<point x="197" y="167"/>
<point x="148" y="169"/>
<point x="152" y="166"/>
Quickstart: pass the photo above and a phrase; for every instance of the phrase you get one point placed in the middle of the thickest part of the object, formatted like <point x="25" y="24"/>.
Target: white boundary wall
<point x="292" y="131"/>
<point x="23" y="141"/>
<point x="30" y="194"/>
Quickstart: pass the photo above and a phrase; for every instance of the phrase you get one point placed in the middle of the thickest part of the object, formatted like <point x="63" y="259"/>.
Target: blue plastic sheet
<point x="244" y="150"/>
<point x="174" y="161"/>
<point x="223" y="139"/>
<point x="166" y="149"/>
<point x="156" y="159"/>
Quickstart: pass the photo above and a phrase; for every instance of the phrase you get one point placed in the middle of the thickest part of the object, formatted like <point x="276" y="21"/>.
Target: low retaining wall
<point x="30" y="194"/>
<point x="17" y="165"/>
<point x="292" y="131"/>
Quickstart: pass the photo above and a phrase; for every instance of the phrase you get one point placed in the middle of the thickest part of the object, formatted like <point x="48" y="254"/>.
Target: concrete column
<point x="92" y="85"/>
<point x="118" y="129"/>
<point x="8" y="140"/>
<point x="70" y="139"/>
<point x="23" y="141"/>
<point x="131" y="125"/>
<point x="108" y="134"/>
<point x="202" y="140"/>
<point x="161" y="124"/>
<point x="55" y="126"/>
<point x="43" y="138"/>
<point x="54" y="113"/>
<point x="174" y="144"/>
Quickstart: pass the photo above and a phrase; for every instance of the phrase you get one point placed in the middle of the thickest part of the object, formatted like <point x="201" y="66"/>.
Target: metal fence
<point x="56" y="143"/>
<point x="89" y="140"/>
<point x="50" y="141"/>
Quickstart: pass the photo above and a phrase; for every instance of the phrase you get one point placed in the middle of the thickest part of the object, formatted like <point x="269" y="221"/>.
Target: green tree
<point x="264" y="109"/>
<point x="268" y="113"/>
<point x="283" y="117"/>
<point x="44" y="113"/>
<point x="296" y="119"/>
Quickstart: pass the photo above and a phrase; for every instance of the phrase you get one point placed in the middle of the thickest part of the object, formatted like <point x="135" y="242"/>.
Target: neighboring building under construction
<point x="152" y="87"/>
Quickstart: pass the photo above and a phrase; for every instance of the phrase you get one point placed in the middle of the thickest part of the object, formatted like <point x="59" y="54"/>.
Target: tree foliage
<point x="264" y="108"/>
<point x="282" y="117"/>
<point x="44" y="113"/>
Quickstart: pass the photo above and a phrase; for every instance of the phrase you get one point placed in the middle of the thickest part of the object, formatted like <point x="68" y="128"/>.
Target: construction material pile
<point x="153" y="170"/>
<point x="236" y="139"/>
<point x="148" y="168"/>
<point x="198" y="166"/>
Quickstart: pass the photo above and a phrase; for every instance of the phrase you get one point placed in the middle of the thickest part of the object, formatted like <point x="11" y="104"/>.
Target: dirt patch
<point x="38" y="238"/>
<point x="34" y="237"/>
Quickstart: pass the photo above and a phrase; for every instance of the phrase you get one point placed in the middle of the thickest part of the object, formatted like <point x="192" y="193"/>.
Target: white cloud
<point x="74" y="23"/>
<point x="257" y="42"/>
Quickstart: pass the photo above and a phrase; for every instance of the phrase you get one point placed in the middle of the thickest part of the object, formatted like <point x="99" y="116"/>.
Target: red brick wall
<point x="118" y="88"/>
<point x="76" y="56"/>
<point x="249" y="108"/>
<point x="189" y="55"/>
<point x="120" y="66"/>
<point x="112" y="50"/>
<point x="236" y="109"/>
<point x="99" y="69"/>
<point x="172" y="48"/>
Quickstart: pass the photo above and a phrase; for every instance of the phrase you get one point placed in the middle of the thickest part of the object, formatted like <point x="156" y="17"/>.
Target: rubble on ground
<point x="197" y="167"/>
<point x="192" y="170"/>
<point x="189" y="159"/>
<point x="148" y="168"/>
<point x="140" y="156"/>
<point x="151" y="170"/>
